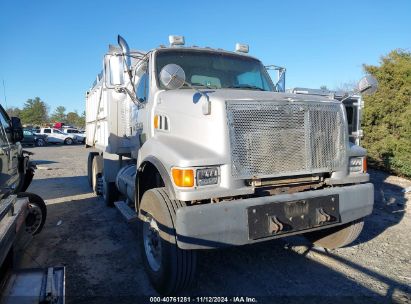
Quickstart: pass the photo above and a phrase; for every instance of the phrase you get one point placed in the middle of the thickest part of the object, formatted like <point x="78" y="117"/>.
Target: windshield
<point x="217" y="70"/>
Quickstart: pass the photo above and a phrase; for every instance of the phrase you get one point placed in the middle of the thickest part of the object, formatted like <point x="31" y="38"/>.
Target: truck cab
<point x="210" y="153"/>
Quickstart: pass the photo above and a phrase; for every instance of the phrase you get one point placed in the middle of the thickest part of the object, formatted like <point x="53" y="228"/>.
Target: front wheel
<point x="68" y="141"/>
<point x="40" y="142"/>
<point x="336" y="237"/>
<point x="169" y="268"/>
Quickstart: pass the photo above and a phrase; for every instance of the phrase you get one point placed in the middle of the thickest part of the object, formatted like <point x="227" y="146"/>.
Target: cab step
<point x="129" y="214"/>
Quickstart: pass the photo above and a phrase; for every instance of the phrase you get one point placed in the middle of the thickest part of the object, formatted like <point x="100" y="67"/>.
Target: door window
<point x="142" y="88"/>
<point x="5" y="130"/>
<point x="47" y="130"/>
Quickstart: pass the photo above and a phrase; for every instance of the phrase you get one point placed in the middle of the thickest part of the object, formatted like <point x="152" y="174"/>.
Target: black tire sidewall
<point x="90" y="158"/>
<point x="164" y="279"/>
<point x="34" y="199"/>
<point x="168" y="259"/>
<point x="40" y="140"/>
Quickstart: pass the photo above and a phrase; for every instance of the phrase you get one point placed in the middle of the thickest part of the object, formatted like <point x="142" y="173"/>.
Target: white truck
<point x="79" y="136"/>
<point x="56" y="136"/>
<point x="205" y="151"/>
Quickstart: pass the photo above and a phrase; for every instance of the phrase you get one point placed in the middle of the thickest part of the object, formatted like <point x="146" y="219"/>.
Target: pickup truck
<point x="58" y="137"/>
<point x="31" y="138"/>
<point x="80" y="136"/>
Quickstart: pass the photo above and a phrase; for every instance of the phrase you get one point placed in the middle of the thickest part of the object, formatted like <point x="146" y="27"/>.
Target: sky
<point x="54" y="49"/>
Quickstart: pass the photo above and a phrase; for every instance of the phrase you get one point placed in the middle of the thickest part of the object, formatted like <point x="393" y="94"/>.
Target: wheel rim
<point x="69" y="141"/>
<point x="152" y="243"/>
<point x="33" y="219"/>
<point x="40" y="143"/>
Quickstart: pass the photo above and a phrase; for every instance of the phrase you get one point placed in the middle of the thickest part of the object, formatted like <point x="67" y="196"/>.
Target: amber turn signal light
<point x="183" y="177"/>
<point x="156" y="121"/>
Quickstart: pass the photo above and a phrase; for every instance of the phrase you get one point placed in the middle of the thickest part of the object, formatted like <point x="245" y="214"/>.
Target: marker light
<point x="156" y="121"/>
<point x="176" y="40"/>
<point x="242" y="48"/>
<point x="183" y="177"/>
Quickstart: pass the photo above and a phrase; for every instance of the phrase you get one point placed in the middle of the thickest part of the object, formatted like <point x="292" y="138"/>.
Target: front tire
<point x="169" y="268"/>
<point x="37" y="215"/>
<point x="336" y="237"/>
<point x="68" y="141"/>
<point x="40" y="142"/>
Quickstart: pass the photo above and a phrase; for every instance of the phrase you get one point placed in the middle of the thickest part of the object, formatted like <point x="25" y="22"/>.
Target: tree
<point x="82" y="121"/>
<point x="13" y="111"/>
<point x="324" y="87"/>
<point x="59" y="115"/>
<point x="387" y="113"/>
<point x="35" y="112"/>
<point x="74" y="119"/>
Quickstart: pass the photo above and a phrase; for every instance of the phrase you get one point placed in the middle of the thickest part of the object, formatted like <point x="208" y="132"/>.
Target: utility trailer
<point x="205" y="151"/>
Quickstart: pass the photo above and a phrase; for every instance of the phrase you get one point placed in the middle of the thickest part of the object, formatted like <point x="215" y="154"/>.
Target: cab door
<point x="50" y="138"/>
<point x="59" y="137"/>
<point x="9" y="175"/>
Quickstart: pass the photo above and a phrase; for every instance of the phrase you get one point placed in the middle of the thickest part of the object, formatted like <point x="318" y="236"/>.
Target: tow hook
<point x="275" y="225"/>
<point x="322" y="216"/>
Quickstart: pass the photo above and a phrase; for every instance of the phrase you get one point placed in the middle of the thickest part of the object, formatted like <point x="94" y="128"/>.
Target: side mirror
<point x="172" y="76"/>
<point x="367" y="85"/>
<point x="114" y="71"/>
<point x="17" y="129"/>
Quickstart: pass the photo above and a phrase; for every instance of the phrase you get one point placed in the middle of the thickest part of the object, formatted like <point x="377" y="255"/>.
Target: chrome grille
<point x="271" y="139"/>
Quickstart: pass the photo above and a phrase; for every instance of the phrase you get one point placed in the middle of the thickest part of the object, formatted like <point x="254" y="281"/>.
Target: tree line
<point x="387" y="113"/>
<point x="36" y="112"/>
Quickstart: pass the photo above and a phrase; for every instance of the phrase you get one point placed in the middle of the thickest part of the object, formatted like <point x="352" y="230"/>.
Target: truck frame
<point x="205" y="151"/>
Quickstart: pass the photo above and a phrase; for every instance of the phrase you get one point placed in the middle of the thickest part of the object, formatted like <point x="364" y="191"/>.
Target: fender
<point x="167" y="151"/>
<point x="164" y="176"/>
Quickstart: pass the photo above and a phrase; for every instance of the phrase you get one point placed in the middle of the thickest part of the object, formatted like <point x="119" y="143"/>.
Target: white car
<point x="57" y="136"/>
<point x="79" y="136"/>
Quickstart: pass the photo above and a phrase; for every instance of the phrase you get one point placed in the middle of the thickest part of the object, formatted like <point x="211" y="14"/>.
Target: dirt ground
<point x="103" y="264"/>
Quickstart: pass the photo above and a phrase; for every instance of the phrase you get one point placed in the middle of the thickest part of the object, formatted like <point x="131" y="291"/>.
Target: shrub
<point x="387" y="114"/>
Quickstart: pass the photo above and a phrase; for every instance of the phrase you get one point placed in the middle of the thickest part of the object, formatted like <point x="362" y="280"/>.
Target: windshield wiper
<point x="246" y="86"/>
<point x="195" y="84"/>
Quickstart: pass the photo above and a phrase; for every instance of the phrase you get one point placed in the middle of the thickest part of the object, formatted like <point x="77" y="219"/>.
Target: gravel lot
<point x="103" y="264"/>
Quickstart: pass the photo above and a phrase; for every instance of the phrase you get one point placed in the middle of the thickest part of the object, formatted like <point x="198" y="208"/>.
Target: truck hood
<point x="238" y="94"/>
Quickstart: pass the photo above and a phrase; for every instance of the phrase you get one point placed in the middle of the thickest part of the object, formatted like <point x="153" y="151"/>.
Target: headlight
<point x="207" y="176"/>
<point x="358" y="165"/>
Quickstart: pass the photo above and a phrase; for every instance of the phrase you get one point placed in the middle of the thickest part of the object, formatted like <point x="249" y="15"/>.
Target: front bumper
<point x="226" y="224"/>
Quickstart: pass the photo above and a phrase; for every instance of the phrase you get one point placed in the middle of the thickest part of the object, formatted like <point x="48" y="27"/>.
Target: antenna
<point x="4" y="92"/>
